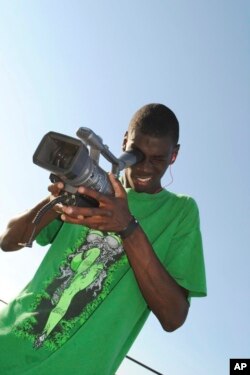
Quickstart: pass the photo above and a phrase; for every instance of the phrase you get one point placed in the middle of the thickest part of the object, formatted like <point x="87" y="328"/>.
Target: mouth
<point x="142" y="180"/>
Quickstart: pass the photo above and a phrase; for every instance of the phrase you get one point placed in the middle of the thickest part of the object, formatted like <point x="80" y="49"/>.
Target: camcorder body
<point x="75" y="162"/>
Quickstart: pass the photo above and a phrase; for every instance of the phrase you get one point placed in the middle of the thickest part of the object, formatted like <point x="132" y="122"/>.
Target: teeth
<point x="144" y="179"/>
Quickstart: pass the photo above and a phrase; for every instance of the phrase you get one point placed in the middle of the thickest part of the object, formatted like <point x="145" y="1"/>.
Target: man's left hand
<point x="112" y="215"/>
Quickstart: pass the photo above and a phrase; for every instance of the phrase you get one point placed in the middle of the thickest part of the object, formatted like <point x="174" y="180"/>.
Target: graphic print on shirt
<point x="77" y="291"/>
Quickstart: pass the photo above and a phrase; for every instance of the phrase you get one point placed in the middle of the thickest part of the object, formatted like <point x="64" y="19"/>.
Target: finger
<point x="96" y="222"/>
<point x="117" y="186"/>
<point x="86" y="211"/>
<point x="72" y="220"/>
<point x="58" y="208"/>
<point x="56" y="188"/>
<point x="93" y="194"/>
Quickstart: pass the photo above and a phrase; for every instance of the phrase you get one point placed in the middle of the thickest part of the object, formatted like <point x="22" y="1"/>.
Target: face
<point x="159" y="153"/>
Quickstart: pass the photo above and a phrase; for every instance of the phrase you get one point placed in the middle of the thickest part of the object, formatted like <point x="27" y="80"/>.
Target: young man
<point x="108" y="266"/>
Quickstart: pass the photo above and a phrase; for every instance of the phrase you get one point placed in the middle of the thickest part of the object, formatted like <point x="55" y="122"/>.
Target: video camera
<point x="71" y="162"/>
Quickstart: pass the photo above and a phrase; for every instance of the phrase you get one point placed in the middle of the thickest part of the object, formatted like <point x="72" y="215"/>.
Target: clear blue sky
<point x="66" y="64"/>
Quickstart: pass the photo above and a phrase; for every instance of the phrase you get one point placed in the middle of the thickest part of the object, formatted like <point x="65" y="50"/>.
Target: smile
<point x="143" y="180"/>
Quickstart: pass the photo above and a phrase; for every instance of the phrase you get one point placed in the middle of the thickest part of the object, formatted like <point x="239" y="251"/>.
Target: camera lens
<point x="63" y="155"/>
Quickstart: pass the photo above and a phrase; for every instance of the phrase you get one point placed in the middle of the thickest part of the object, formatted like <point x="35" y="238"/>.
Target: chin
<point x="142" y="189"/>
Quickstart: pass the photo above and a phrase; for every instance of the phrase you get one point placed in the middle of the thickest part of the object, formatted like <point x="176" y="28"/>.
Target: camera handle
<point x="97" y="147"/>
<point x="39" y="216"/>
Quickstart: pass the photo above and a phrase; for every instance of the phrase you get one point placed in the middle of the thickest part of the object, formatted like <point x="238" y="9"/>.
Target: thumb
<point x="117" y="186"/>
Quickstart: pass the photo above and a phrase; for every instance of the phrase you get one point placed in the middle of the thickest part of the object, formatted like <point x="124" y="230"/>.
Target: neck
<point x="158" y="190"/>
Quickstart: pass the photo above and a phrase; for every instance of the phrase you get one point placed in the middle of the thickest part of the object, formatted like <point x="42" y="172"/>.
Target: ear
<point x="175" y="154"/>
<point x="125" y="140"/>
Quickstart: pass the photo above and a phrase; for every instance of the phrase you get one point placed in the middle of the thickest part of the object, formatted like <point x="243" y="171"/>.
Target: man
<point x="108" y="266"/>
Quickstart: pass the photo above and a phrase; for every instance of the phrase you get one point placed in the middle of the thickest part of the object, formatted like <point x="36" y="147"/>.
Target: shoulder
<point x="188" y="209"/>
<point x="186" y="201"/>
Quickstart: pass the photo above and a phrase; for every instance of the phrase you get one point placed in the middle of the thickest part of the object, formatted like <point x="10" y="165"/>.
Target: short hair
<point x="156" y="120"/>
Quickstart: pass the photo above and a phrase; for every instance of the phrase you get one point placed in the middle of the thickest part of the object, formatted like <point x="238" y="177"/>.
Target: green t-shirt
<point x="83" y="309"/>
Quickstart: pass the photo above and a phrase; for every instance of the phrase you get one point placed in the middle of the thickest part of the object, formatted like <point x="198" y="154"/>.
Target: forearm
<point x="20" y="228"/>
<point x="164" y="296"/>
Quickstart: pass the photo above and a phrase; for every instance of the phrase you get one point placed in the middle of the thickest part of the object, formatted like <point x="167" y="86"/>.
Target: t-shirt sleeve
<point x="48" y="233"/>
<point x="185" y="259"/>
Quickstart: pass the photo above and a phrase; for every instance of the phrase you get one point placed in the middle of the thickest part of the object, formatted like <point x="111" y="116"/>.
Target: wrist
<point x="130" y="228"/>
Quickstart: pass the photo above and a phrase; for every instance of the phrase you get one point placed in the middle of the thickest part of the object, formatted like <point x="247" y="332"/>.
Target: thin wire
<point x="141" y="364"/>
<point x="171" y="176"/>
<point x="3" y="302"/>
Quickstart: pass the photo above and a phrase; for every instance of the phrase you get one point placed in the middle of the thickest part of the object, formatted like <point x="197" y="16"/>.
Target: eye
<point x="159" y="159"/>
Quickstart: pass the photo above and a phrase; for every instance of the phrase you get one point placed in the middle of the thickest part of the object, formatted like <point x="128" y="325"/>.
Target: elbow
<point x="6" y="245"/>
<point x="3" y="244"/>
<point x="175" y="321"/>
<point x="172" y="326"/>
